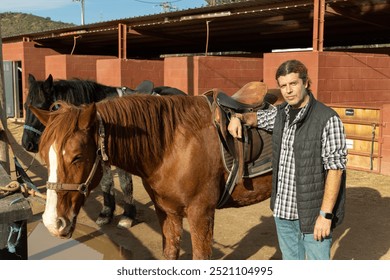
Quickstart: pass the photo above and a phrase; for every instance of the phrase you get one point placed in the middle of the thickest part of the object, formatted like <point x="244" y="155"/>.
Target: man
<point x="309" y="162"/>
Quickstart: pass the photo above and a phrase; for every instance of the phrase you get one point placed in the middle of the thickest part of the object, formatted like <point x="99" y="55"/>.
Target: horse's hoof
<point x="126" y="222"/>
<point x="101" y="220"/>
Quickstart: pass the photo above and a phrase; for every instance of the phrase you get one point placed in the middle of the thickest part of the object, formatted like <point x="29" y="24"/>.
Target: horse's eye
<point x="76" y="159"/>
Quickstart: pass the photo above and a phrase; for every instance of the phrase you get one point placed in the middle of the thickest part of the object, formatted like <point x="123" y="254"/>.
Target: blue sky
<point x="95" y="10"/>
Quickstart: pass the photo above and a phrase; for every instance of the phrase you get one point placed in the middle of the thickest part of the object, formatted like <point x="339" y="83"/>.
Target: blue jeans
<point x="296" y="245"/>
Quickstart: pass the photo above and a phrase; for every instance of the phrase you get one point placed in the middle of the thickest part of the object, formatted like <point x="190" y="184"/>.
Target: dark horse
<point x="42" y="94"/>
<point x="170" y="142"/>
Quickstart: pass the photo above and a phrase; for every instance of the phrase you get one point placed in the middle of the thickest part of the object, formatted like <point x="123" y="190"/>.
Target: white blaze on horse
<point x="170" y="142"/>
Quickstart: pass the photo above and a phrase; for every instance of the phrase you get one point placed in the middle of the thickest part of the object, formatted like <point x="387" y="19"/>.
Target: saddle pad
<point x="261" y="165"/>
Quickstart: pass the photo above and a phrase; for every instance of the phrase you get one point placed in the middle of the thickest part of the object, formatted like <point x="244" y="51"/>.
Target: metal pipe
<point x="372" y="147"/>
<point x="82" y="10"/>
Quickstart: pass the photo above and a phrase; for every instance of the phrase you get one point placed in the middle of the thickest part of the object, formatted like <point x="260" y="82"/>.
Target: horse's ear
<point x="42" y="115"/>
<point x="87" y="116"/>
<point x="31" y="79"/>
<point x="48" y="84"/>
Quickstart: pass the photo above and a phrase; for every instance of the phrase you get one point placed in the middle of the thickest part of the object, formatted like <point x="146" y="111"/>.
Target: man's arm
<point x="332" y="187"/>
<point x="237" y="120"/>
<point x="334" y="154"/>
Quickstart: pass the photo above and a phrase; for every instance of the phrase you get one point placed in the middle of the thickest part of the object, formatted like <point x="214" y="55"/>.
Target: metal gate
<point x="12" y="87"/>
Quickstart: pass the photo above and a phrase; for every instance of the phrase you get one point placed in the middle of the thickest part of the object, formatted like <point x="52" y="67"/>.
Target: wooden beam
<point x="318" y="25"/>
<point x="122" y="41"/>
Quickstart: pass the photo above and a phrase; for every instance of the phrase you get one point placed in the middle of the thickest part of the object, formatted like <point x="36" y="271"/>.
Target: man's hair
<point x="293" y="66"/>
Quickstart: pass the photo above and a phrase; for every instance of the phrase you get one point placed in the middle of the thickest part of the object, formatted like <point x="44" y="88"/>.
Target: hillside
<point x="20" y="23"/>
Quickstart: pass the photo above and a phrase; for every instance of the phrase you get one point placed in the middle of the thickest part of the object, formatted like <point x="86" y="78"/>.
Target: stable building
<point x="345" y="44"/>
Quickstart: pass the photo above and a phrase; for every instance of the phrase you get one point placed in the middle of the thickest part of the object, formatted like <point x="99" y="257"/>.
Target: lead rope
<point x="23" y="183"/>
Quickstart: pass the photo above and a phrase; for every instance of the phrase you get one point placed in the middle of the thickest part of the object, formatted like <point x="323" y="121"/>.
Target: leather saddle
<point x="147" y="87"/>
<point x="251" y="155"/>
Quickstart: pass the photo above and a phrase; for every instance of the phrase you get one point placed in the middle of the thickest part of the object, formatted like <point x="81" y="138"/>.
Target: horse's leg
<point x="201" y="222"/>
<point x="130" y="212"/>
<point x="107" y="185"/>
<point x="172" y="227"/>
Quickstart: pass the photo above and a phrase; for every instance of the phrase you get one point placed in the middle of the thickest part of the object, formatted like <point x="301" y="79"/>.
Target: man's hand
<point x="322" y="228"/>
<point x="235" y="127"/>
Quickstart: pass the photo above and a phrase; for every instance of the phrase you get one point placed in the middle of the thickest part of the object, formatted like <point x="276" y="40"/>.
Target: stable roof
<point x="249" y="27"/>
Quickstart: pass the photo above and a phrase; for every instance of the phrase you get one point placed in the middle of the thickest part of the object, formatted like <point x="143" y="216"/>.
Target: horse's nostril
<point x="61" y="224"/>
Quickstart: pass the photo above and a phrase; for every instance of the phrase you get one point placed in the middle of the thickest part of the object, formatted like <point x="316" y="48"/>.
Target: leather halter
<point x="33" y="129"/>
<point x="100" y="155"/>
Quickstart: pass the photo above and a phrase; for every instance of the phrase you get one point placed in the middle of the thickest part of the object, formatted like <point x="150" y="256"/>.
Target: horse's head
<point x="40" y="95"/>
<point x="69" y="147"/>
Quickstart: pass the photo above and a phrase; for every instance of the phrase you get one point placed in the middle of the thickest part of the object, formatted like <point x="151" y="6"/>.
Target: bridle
<point x="37" y="131"/>
<point x="33" y="129"/>
<point x="100" y="156"/>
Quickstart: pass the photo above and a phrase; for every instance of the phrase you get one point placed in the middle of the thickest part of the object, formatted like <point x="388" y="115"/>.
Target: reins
<point x="100" y="156"/>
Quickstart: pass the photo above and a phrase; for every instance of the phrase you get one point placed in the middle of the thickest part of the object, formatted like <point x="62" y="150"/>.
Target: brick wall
<point x="179" y="73"/>
<point x="32" y="59"/>
<point x="340" y="77"/>
<point x="108" y="72"/>
<point x="72" y="66"/>
<point x="195" y="75"/>
<point x="13" y="51"/>
<point x="130" y="73"/>
<point x="354" y="78"/>
<point x="226" y="73"/>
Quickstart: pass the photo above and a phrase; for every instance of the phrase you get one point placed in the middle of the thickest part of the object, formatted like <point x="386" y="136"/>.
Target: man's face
<point x="293" y="90"/>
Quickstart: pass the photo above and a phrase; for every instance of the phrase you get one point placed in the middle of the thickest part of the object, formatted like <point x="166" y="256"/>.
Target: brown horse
<point x="170" y="142"/>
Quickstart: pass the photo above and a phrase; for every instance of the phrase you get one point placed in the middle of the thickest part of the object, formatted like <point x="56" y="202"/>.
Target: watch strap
<point x="328" y="216"/>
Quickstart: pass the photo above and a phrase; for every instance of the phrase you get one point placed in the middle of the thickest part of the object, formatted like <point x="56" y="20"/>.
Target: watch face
<point x="329" y="216"/>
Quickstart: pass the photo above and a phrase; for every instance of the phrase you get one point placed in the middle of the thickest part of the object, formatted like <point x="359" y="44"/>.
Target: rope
<point x="15" y="186"/>
<point x="24" y="183"/>
<point x="32" y="161"/>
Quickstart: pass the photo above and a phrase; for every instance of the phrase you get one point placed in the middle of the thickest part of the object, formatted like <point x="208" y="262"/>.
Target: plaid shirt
<point x="334" y="154"/>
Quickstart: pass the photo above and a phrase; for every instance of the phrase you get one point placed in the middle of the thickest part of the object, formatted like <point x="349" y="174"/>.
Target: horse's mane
<point x="74" y="91"/>
<point x="152" y="121"/>
<point x="78" y="91"/>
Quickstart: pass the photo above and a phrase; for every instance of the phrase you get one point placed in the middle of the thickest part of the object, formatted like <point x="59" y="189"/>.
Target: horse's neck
<point x="138" y="134"/>
<point x="126" y="154"/>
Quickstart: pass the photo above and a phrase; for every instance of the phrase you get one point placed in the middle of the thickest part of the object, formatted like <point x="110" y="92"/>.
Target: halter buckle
<point x="83" y="188"/>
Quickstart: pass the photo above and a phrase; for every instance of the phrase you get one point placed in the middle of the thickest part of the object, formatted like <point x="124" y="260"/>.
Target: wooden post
<point x="318" y="25"/>
<point x="122" y="41"/>
<point x="4" y="155"/>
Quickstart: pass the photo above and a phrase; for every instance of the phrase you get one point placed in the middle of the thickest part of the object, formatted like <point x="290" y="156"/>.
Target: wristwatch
<point x="328" y="216"/>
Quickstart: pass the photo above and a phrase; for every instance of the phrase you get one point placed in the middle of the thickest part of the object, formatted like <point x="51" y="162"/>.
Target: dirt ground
<point x="244" y="233"/>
